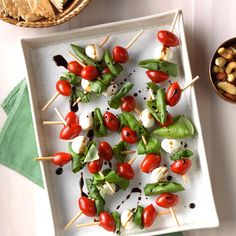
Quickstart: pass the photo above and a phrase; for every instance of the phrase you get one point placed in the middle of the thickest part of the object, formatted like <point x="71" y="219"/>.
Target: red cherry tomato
<point x="167" y="200"/>
<point x="173" y="94"/>
<point x="71" y="118"/>
<point x="106" y="70"/>
<point x="150" y="162"/>
<point x="128" y="135"/>
<point x="87" y="206"/>
<point x="157" y="76"/>
<point x="74" y="67"/>
<point x="125" y="170"/>
<point x="181" y="166"/>
<point x="120" y="54"/>
<point x="128" y="103"/>
<point x="105" y="151"/>
<point x="169" y="121"/>
<point x="95" y="166"/>
<point x="107" y="222"/>
<point x="167" y="38"/>
<point x="63" y="87"/>
<point x="89" y="73"/>
<point x="70" y="131"/>
<point x="61" y="158"/>
<point x="149" y="215"/>
<point x="111" y="121"/>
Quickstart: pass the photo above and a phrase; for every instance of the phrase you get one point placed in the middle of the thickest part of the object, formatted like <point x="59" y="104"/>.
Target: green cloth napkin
<point x="17" y="141"/>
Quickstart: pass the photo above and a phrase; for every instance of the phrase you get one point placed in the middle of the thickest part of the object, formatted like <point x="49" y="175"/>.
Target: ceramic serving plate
<point x="64" y="190"/>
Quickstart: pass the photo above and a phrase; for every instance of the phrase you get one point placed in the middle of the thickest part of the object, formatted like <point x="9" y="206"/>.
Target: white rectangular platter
<point x="63" y="191"/>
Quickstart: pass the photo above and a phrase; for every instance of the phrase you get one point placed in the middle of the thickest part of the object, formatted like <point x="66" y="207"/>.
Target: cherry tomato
<point x="125" y="170"/>
<point x="89" y="73"/>
<point x="173" y="94"/>
<point x="105" y="151"/>
<point x="111" y="121"/>
<point x="61" y="158"/>
<point x="63" y="87"/>
<point x="70" y="131"/>
<point x="87" y="206"/>
<point x="167" y="200"/>
<point x="71" y="118"/>
<point x="74" y="67"/>
<point x="128" y="103"/>
<point x="169" y="121"/>
<point x="167" y="38"/>
<point x="107" y="222"/>
<point x="120" y="54"/>
<point x="150" y="162"/>
<point x="106" y="70"/>
<point x="128" y="135"/>
<point x="95" y="166"/>
<point x="149" y="215"/>
<point x="157" y="76"/>
<point x="181" y="166"/>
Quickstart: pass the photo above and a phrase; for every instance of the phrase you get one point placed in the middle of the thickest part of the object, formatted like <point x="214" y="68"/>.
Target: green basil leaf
<point x="92" y="154"/>
<point x="118" y="148"/>
<point x="181" y="128"/>
<point x="77" y="162"/>
<point x="165" y="66"/>
<point x="116" y="217"/>
<point x="161" y="105"/>
<point x="112" y="177"/>
<point x="99" y="128"/>
<point x="115" y="68"/>
<point x="137" y="217"/>
<point x="85" y="98"/>
<point x="115" y="100"/>
<point x="71" y="78"/>
<point x="153" y="86"/>
<point x="153" y="146"/>
<point x="98" y="179"/>
<point x="181" y="154"/>
<point x="151" y="106"/>
<point x="162" y="187"/>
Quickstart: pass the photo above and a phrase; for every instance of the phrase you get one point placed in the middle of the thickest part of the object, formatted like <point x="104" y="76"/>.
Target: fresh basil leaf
<point x="151" y="106"/>
<point x="181" y="128"/>
<point x="71" y="78"/>
<point x="161" y="105"/>
<point x="153" y="86"/>
<point x="116" y="217"/>
<point x="98" y="179"/>
<point x="181" y="154"/>
<point x="115" y="68"/>
<point x="92" y="154"/>
<point x="115" y="100"/>
<point x="165" y="66"/>
<point x="162" y="187"/>
<point x="84" y="97"/>
<point x="94" y="194"/>
<point x="153" y="146"/>
<point x="77" y="162"/>
<point x="112" y="177"/>
<point x="99" y="128"/>
<point x="118" y="148"/>
<point x="137" y="217"/>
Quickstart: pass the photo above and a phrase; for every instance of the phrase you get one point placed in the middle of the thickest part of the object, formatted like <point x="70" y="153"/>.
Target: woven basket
<point x="71" y="11"/>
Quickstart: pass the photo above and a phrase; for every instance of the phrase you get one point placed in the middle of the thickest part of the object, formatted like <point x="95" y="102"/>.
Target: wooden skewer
<point x="87" y="224"/>
<point x="192" y="82"/>
<point x="144" y="140"/>
<point x="185" y="178"/>
<point x="174" y="21"/>
<point x="77" y="101"/>
<point x="43" y="158"/>
<point x="107" y="183"/>
<point x="73" y="220"/>
<point x="50" y="101"/>
<point x="128" y="152"/>
<point x="76" y="58"/>
<point x="104" y="41"/>
<point x="174" y="216"/>
<point x="60" y="116"/>
<point x="167" y="212"/>
<point x="134" y="39"/>
<point x="151" y="94"/>
<point x="132" y="160"/>
<point x="53" y="122"/>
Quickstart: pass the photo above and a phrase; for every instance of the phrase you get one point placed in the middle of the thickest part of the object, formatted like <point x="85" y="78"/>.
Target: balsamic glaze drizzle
<point x="60" y="61"/>
<point x="81" y="184"/>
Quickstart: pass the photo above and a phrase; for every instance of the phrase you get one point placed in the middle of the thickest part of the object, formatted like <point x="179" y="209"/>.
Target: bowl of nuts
<point x="223" y="70"/>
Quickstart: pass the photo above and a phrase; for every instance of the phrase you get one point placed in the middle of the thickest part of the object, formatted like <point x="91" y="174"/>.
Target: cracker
<point x="58" y="4"/>
<point x="45" y="8"/>
<point x="10" y="9"/>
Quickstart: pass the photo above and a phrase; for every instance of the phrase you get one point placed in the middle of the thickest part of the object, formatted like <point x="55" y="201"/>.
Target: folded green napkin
<point x="17" y="141"/>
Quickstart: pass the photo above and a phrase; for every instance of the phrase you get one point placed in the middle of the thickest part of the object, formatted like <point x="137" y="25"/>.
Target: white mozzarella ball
<point x="86" y="120"/>
<point x="166" y="54"/>
<point x="158" y="174"/>
<point x="111" y="90"/>
<point x="85" y="84"/>
<point x="126" y="219"/>
<point x="147" y="119"/>
<point x="79" y="144"/>
<point x="170" y="145"/>
<point x="105" y="190"/>
<point x="94" y="51"/>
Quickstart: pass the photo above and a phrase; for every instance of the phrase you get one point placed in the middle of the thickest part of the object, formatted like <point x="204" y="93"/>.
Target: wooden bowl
<point x="218" y="91"/>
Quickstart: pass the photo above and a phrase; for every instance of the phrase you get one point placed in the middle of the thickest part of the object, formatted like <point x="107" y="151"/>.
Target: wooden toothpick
<point x="134" y="39"/>
<point x="174" y="216"/>
<point x="128" y="152"/>
<point x="88" y="224"/>
<point x="190" y="83"/>
<point x="44" y="158"/>
<point x="174" y="21"/>
<point x="53" y="122"/>
<point x="60" y="116"/>
<point x="77" y="59"/>
<point x="104" y="41"/>
<point x="73" y="219"/>
<point x="131" y="161"/>
<point x="50" y="101"/>
<point x="107" y="183"/>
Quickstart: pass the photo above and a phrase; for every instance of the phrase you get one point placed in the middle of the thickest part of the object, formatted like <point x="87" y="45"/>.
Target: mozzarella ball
<point x="147" y="119"/>
<point x="126" y="219"/>
<point x="166" y="54"/>
<point x="86" y="120"/>
<point x="170" y="145"/>
<point x="79" y="144"/>
<point x="111" y="90"/>
<point x="105" y="190"/>
<point x="158" y="174"/>
<point x="85" y="84"/>
<point x="94" y="51"/>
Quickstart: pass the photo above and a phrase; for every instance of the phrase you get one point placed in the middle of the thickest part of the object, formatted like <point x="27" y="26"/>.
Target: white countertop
<point x="207" y="23"/>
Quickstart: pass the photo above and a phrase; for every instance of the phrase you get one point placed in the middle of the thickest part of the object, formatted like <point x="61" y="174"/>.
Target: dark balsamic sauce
<point x="135" y="95"/>
<point x="90" y="135"/>
<point x="59" y="171"/>
<point x="185" y="145"/>
<point x="192" y="205"/>
<point x="169" y="178"/>
<point x="74" y="108"/>
<point x="110" y="164"/>
<point x="81" y="184"/>
<point x="60" y="61"/>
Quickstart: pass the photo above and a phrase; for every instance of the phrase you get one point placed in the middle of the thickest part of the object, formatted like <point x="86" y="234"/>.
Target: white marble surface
<point x="22" y="204"/>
